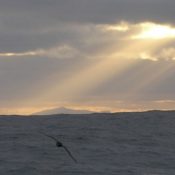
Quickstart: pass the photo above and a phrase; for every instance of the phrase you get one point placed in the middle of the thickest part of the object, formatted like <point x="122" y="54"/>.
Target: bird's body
<point x="59" y="144"/>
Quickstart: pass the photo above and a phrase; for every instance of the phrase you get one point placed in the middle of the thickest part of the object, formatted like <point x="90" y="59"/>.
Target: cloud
<point x="30" y="25"/>
<point x="123" y="26"/>
<point x="97" y="11"/>
<point x="95" y="41"/>
<point x="11" y="54"/>
<point x="60" y="52"/>
<point x="167" y="53"/>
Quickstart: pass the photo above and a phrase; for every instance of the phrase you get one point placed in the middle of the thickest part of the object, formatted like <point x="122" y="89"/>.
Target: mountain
<point x="63" y="110"/>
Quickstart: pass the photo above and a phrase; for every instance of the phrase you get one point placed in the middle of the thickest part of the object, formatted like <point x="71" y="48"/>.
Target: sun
<point x="155" y="31"/>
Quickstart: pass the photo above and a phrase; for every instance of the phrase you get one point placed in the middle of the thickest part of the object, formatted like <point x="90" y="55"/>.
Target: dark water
<point x="103" y="144"/>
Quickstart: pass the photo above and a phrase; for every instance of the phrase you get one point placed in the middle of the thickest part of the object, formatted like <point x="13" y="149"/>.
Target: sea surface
<point x="140" y="143"/>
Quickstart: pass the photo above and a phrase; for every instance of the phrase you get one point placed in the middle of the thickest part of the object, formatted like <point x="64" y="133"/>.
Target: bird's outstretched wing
<point x="69" y="153"/>
<point x="65" y="148"/>
<point x="49" y="136"/>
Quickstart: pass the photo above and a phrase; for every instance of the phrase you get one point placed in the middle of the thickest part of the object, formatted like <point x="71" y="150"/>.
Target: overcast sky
<point x="103" y="55"/>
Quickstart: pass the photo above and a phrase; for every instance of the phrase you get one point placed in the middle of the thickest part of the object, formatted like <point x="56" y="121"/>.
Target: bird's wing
<point x="49" y="136"/>
<point x="69" y="153"/>
<point x="65" y="148"/>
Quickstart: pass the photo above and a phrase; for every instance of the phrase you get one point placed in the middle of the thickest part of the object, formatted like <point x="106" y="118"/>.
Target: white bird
<point x="59" y="144"/>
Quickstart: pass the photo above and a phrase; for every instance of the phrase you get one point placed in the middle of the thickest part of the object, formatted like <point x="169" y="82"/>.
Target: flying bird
<point x="60" y="144"/>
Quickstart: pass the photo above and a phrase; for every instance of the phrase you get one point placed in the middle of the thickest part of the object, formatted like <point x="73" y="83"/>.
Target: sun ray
<point x="147" y="77"/>
<point x="93" y="76"/>
<point x="111" y="62"/>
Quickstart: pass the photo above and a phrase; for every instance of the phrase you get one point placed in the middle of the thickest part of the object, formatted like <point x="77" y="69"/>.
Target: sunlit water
<point x="103" y="144"/>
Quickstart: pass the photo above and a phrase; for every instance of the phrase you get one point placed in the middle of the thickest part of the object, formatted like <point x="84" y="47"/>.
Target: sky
<point x="100" y="55"/>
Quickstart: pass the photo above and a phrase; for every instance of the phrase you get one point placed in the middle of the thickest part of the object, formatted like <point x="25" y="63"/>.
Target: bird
<point x="60" y="144"/>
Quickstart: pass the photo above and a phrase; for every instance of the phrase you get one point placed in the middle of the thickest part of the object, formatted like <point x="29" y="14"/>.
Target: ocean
<point x="136" y="143"/>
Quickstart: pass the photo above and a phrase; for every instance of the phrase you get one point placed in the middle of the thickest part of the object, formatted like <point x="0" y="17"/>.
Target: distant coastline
<point x="91" y="113"/>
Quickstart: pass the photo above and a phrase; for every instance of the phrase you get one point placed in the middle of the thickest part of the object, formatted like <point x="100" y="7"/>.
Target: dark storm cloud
<point x="26" y="25"/>
<point x="97" y="11"/>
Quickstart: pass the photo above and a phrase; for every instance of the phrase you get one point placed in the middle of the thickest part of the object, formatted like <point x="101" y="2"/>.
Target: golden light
<point x="114" y="61"/>
<point x="155" y="31"/>
<point x="18" y="54"/>
<point x="121" y="27"/>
